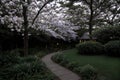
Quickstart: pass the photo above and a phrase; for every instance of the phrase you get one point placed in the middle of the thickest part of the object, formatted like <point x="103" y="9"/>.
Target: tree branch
<point x="40" y="11"/>
<point x="86" y="2"/>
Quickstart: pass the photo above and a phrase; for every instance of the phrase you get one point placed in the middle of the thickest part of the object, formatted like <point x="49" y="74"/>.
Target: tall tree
<point x="25" y="5"/>
<point x="92" y="13"/>
<point x="25" y="25"/>
<point x="38" y="15"/>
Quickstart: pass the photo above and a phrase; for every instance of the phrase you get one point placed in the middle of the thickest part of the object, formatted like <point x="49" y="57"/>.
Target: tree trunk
<point x="91" y="20"/>
<point x="25" y="25"/>
<point x="25" y="43"/>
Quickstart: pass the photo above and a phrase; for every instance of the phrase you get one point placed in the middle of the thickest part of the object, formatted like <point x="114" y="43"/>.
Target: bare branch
<point x="86" y="2"/>
<point x="40" y="11"/>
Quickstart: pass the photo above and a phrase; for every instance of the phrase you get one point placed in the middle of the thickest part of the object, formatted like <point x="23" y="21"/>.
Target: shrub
<point x="62" y="60"/>
<point x="59" y="58"/>
<point x="29" y="59"/>
<point x="33" y="50"/>
<point x="23" y="68"/>
<point x="113" y="48"/>
<point x="107" y="33"/>
<point x="6" y="60"/>
<point x="72" y="66"/>
<point x="88" y="73"/>
<point x="90" y="48"/>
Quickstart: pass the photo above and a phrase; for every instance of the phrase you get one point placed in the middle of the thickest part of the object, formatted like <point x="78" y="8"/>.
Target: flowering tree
<point x="40" y="15"/>
<point x="93" y="13"/>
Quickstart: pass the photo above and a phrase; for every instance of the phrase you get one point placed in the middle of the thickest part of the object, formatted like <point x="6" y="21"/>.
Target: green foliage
<point x="81" y="31"/>
<point x="113" y="48"/>
<point x="29" y="59"/>
<point x="34" y="50"/>
<point x="17" y="52"/>
<point x="7" y="60"/>
<point x="23" y="68"/>
<point x="88" y="72"/>
<point x="90" y="48"/>
<point x="73" y="66"/>
<point x="107" y="33"/>
<point x="62" y="60"/>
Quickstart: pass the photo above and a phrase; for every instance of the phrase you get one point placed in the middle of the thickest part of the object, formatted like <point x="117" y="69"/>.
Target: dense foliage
<point x="107" y="33"/>
<point x="88" y="72"/>
<point x="27" y="68"/>
<point x="13" y="13"/>
<point x="92" y="13"/>
<point x="59" y="58"/>
<point x="13" y="39"/>
<point x="113" y="48"/>
<point x="90" y="48"/>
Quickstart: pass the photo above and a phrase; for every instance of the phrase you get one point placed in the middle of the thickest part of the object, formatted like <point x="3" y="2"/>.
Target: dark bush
<point x="17" y="52"/>
<point x="62" y="60"/>
<point x="59" y="58"/>
<point x="29" y="59"/>
<point x="88" y="73"/>
<point x="73" y="66"/>
<point x="33" y="50"/>
<point x="113" y="48"/>
<point x="6" y="60"/>
<point x="108" y="33"/>
<point x="90" y="48"/>
<point x="23" y="68"/>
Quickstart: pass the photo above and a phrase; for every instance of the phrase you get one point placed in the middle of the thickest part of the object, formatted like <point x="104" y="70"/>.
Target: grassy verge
<point x="108" y="66"/>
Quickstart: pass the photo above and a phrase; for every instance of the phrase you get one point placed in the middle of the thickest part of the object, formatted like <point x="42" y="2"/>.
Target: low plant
<point x="88" y="72"/>
<point x="23" y="68"/>
<point x="90" y="48"/>
<point x="113" y="48"/>
<point x="59" y="58"/>
<point x="29" y="59"/>
<point x="107" y="33"/>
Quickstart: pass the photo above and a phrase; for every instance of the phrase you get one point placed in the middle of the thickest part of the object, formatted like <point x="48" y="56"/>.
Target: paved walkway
<point x="61" y="72"/>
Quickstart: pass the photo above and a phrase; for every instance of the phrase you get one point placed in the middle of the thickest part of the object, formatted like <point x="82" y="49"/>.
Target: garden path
<point x="59" y="71"/>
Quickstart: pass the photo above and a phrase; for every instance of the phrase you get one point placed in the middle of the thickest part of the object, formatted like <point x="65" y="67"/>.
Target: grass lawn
<point x="107" y="66"/>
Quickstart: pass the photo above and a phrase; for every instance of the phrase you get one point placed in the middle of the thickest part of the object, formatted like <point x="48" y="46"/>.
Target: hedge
<point x="90" y="48"/>
<point x="112" y="48"/>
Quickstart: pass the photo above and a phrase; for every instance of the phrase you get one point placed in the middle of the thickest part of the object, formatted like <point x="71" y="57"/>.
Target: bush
<point x="17" y="52"/>
<point x="59" y="58"/>
<point x="107" y="33"/>
<point x="113" y="48"/>
<point x="73" y="66"/>
<point x="33" y="50"/>
<point x="29" y="59"/>
<point x="62" y="60"/>
<point x="88" y="73"/>
<point x="7" y="60"/>
<point x="23" y="68"/>
<point x="90" y="48"/>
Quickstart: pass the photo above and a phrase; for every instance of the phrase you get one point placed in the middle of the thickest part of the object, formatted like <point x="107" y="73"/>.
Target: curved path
<point x="61" y="72"/>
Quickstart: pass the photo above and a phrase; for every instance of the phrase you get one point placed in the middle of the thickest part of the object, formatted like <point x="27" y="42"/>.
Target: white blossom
<point x="50" y="21"/>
